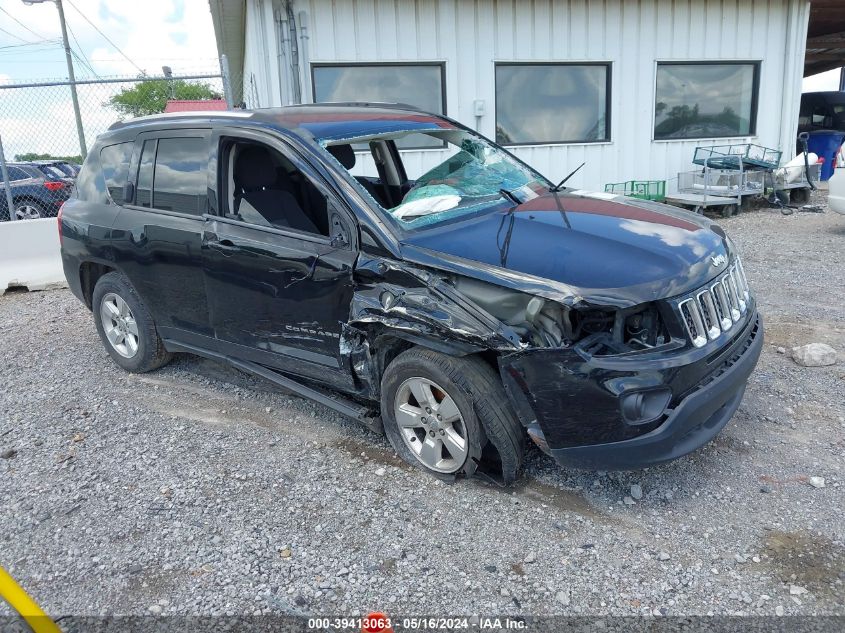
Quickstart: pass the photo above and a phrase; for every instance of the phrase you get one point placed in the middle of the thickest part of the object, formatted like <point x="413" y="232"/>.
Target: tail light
<point x="54" y="185"/>
<point x="59" y="218"/>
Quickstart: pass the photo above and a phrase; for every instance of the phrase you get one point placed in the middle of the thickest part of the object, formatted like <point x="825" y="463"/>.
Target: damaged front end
<point x="396" y="306"/>
<point x="595" y="385"/>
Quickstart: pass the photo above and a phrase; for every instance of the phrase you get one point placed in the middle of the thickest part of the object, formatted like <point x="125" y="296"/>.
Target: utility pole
<point x="83" y="150"/>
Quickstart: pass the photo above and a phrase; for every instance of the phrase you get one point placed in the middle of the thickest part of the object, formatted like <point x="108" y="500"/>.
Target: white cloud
<point x="154" y="38"/>
<point x="151" y="33"/>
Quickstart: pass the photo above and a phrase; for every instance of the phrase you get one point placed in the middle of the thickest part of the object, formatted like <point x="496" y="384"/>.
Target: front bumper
<point x="580" y="425"/>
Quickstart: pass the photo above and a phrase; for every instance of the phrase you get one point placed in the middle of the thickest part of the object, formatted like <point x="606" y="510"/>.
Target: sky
<point x="151" y="33"/>
<point x="144" y="34"/>
<point x="821" y="82"/>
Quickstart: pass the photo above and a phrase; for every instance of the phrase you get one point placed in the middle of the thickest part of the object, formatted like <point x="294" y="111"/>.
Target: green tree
<point x="28" y="156"/>
<point x="150" y="96"/>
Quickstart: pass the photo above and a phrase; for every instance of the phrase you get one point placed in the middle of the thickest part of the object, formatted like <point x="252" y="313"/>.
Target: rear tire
<point x="125" y="326"/>
<point x="487" y="424"/>
<point x="29" y="210"/>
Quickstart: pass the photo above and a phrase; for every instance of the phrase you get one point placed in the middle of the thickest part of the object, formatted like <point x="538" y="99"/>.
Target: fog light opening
<point x="642" y="407"/>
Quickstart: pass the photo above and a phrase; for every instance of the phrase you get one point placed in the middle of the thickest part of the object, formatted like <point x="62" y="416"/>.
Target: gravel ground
<point x="199" y="490"/>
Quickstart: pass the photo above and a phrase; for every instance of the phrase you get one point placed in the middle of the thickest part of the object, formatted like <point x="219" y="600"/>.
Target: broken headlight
<point x="545" y="323"/>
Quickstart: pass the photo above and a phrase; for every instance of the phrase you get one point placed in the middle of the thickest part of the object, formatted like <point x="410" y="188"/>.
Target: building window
<point x="706" y="100"/>
<point x="552" y="103"/>
<point x="419" y="85"/>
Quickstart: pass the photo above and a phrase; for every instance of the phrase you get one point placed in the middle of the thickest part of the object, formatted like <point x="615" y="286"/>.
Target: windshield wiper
<point x="510" y="196"/>
<point x="556" y="188"/>
<point x="559" y="185"/>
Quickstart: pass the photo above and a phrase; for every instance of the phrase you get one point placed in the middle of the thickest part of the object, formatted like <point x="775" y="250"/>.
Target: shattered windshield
<point x="468" y="176"/>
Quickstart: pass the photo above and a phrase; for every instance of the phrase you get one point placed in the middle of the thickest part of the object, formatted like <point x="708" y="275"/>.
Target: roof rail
<point x="364" y="104"/>
<point x="165" y="116"/>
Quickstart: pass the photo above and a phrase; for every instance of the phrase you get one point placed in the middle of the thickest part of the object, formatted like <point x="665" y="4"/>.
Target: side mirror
<point x="128" y="192"/>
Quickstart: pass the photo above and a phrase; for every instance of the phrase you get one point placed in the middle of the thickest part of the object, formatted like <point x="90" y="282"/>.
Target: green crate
<point x="644" y="189"/>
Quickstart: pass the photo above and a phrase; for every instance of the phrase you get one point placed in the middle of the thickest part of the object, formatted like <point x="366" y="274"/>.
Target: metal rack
<point x="733" y="174"/>
<point x="717" y="187"/>
<point x="644" y="189"/>
<point x="744" y="156"/>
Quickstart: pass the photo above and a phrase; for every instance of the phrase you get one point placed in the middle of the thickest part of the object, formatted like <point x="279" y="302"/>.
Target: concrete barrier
<point x="29" y="255"/>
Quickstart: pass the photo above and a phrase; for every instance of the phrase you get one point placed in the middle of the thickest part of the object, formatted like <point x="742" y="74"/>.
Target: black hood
<point x="603" y="248"/>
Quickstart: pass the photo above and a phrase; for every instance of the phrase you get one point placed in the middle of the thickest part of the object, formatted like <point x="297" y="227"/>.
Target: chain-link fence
<point x="46" y="128"/>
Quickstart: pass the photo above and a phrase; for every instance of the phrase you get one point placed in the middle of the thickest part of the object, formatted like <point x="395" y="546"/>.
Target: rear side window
<point x="31" y="171"/>
<point x="16" y="173"/>
<point x="180" y="179"/>
<point x="52" y="172"/>
<point x="114" y="160"/>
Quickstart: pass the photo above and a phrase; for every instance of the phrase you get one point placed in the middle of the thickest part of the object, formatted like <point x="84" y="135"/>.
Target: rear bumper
<point x="572" y="410"/>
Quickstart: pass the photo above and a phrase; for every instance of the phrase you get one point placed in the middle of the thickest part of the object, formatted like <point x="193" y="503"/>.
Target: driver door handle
<point x="224" y="246"/>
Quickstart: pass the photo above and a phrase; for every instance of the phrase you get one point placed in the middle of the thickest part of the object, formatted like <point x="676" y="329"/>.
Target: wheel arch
<point x="369" y="348"/>
<point x="89" y="274"/>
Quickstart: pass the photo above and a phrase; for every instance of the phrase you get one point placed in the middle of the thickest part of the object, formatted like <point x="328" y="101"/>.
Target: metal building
<point x="629" y="86"/>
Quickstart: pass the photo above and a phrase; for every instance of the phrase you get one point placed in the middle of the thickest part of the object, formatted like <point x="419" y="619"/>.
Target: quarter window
<point x="552" y="103"/>
<point x="705" y="100"/>
<point x="420" y="85"/>
<point x="114" y="160"/>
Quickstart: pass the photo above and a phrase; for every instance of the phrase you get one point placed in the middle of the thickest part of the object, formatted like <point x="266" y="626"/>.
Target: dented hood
<point x="603" y="249"/>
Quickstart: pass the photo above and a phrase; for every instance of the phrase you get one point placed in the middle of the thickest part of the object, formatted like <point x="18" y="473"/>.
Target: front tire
<point x="125" y="326"/>
<point x="448" y="415"/>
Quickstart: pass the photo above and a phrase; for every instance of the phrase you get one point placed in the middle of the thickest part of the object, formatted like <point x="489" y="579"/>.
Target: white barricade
<point x="29" y="255"/>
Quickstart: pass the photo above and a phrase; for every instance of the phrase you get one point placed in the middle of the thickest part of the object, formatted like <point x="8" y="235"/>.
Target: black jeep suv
<point x="452" y="298"/>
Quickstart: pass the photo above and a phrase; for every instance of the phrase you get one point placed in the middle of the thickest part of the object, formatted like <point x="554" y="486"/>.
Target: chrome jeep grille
<point x="716" y="308"/>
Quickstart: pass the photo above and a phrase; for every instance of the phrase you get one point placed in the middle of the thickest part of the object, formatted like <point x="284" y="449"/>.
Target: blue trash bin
<point x="825" y="144"/>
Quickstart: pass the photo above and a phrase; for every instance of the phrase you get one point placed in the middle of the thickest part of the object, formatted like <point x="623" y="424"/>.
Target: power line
<point x="22" y="24"/>
<point x="84" y="64"/>
<point x="105" y="37"/>
<point x="42" y="43"/>
<point x="84" y="60"/>
<point x="9" y="33"/>
<point x="29" y="57"/>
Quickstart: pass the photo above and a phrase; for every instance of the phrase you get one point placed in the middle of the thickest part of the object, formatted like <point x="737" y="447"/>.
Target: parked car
<point x="34" y="194"/>
<point x="461" y="307"/>
<point x="822" y="111"/>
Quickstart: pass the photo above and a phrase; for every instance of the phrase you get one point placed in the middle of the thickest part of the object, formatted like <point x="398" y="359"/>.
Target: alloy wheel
<point x="431" y="425"/>
<point x="119" y="325"/>
<point x="27" y="212"/>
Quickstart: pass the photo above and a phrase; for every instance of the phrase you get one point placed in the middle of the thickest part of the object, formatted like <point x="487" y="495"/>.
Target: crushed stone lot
<point x="197" y="489"/>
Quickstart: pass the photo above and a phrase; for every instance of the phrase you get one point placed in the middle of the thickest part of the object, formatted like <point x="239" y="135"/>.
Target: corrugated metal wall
<point x="470" y="35"/>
